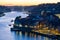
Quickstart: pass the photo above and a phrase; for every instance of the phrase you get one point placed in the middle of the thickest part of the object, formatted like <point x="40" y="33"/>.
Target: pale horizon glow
<point x="25" y="2"/>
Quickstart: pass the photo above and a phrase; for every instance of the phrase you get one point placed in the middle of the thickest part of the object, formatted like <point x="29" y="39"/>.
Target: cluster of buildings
<point x="39" y="20"/>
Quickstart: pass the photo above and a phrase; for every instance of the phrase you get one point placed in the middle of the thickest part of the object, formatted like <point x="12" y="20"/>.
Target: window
<point x="26" y="26"/>
<point x="20" y="25"/>
<point x="31" y="26"/>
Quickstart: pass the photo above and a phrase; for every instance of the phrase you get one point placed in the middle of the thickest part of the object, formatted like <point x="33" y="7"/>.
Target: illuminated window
<point x="26" y="26"/>
<point x="34" y="26"/>
<point x="31" y="26"/>
<point x="44" y="25"/>
<point x="20" y="25"/>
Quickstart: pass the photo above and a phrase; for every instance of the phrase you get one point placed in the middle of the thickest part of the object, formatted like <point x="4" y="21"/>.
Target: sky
<point x="25" y="2"/>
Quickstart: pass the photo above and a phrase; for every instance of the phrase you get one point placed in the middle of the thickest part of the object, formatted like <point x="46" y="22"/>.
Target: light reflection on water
<point x="29" y="36"/>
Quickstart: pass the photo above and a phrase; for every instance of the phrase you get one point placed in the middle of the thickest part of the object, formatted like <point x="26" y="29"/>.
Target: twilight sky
<point x="25" y="2"/>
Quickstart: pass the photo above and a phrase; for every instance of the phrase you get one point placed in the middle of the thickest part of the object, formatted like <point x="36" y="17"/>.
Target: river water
<point x="6" y="34"/>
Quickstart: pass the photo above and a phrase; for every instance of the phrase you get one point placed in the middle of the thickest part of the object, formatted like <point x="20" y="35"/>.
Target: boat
<point x="12" y="20"/>
<point x="9" y="24"/>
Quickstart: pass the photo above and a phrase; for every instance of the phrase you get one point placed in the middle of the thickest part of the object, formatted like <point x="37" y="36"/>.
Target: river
<point x="6" y="34"/>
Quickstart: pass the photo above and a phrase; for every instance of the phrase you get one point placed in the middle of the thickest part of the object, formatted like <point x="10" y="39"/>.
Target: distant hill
<point x="2" y="14"/>
<point x="4" y="9"/>
<point x="53" y="8"/>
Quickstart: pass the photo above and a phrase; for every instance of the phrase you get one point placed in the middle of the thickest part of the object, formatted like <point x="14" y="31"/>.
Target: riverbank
<point x="44" y="32"/>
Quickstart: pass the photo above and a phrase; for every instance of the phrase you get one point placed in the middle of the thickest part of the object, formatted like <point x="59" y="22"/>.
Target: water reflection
<point x="29" y="36"/>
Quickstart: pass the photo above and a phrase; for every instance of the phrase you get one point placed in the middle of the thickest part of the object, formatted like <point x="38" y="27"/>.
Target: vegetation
<point x="2" y="14"/>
